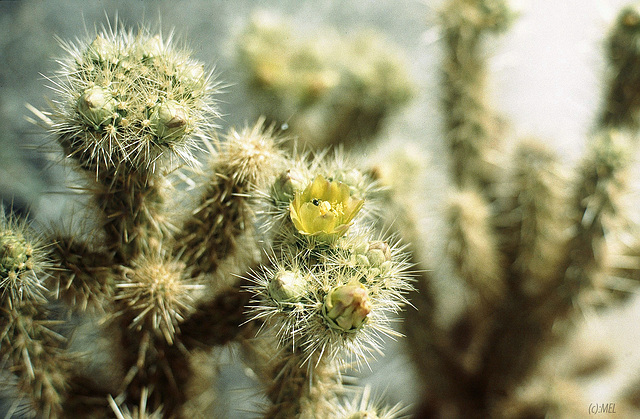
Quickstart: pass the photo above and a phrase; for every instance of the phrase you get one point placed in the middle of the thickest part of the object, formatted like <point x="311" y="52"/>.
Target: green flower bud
<point x="361" y="247"/>
<point x="96" y="106"/>
<point x="288" y="183"/>
<point x="287" y="286"/>
<point x="152" y="47"/>
<point x="169" y="121"/>
<point x="191" y="75"/>
<point x="362" y="260"/>
<point x="385" y="267"/>
<point x="346" y="307"/>
<point x="378" y="253"/>
<point x="102" y="50"/>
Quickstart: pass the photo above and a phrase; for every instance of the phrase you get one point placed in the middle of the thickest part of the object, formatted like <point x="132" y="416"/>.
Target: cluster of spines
<point x="330" y="287"/>
<point x="157" y="294"/>
<point x="30" y="346"/>
<point x="128" y="98"/>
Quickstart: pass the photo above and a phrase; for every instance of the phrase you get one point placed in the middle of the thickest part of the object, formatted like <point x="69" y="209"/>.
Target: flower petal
<point x="343" y="193"/>
<point x="318" y="188"/>
<point x="333" y="192"/>
<point x="353" y="206"/>
<point x="324" y="223"/>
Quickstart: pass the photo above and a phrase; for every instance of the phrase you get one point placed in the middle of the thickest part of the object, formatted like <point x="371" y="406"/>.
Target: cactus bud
<point x="346" y="307"/>
<point x="169" y="121"/>
<point x="96" y="105"/>
<point x="362" y="260"/>
<point x="192" y="75"/>
<point x="361" y="247"/>
<point x="378" y="253"/>
<point x="287" y="286"/>
<point x="288" y="183"/>
<point x="152" y="47"/>
<point x="282" y="188"/>
<point x="102" y="50"/>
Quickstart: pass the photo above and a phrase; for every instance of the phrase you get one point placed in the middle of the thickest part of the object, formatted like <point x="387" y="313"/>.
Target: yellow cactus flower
<point x="324" y="209"/>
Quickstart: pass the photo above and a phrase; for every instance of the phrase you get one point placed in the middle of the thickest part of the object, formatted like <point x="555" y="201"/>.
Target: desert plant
<point x="192" y="240"/>
<point x="531" y="243"/>
<point x="130" y="109"/>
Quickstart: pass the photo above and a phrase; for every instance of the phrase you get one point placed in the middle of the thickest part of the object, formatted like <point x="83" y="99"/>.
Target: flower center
<point x="325" y="206"/>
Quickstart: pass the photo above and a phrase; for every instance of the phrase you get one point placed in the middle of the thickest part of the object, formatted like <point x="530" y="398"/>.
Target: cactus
<point x="303" y="263"/>
<point x="331" y="91"/>
<point x="130" y="110"/>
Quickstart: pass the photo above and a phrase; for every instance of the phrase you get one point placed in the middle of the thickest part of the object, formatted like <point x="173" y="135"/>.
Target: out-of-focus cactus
<point x="529" y="245"/>
<point x="329" y="91"/>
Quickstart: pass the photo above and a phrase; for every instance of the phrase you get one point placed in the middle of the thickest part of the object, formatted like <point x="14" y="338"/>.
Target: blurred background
<point x="545" y="79"/>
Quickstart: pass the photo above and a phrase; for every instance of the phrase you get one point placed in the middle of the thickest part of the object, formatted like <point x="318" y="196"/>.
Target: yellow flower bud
<point x="324" y="209"/>
<point x="346" y="307"/>
<point x="378" y="253"/>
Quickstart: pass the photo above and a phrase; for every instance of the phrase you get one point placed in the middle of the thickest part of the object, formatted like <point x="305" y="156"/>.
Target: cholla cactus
<point x="330" y="287"/>
<point x="129" y="110"/>
<point x="289" y="257"/>
<point x="533" y="258"/>
<point x="528" y="245"/>
<point x="126" y="100"/>
<point x="29" y="346"/>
